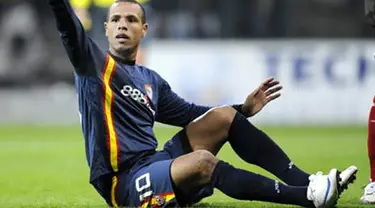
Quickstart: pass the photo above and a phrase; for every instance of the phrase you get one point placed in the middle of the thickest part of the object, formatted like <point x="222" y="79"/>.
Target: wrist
<point x="245" y="111"/>
<point x="240" y="108"/>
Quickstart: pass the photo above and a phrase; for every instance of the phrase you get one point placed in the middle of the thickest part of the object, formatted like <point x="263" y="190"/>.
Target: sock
<point x="371" y="142"/>
<point x="244" y="185"/>
<point x="255" y="147"/>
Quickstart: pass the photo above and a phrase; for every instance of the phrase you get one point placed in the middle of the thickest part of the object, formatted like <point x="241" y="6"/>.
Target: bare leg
<point x="193" y="171"/>
<point x="210" y="131"/>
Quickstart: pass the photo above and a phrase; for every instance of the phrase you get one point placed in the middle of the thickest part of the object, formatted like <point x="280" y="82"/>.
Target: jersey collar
<point x="120" y="60"/>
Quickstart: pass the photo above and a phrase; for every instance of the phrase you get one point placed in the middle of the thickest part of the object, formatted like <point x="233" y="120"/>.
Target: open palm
<point x="266" y="92"/>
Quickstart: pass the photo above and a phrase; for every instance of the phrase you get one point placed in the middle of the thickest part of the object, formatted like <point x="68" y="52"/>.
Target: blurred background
<point x="211" y="51"/>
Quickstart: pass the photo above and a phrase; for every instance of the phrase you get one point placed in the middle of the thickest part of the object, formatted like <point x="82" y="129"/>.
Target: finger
<point x="272" y="84"/>
<point x="273" y="97"/>
<point x="267" y="81"/>
<point x="265" y="85"/>
<point x="273" y="90"/>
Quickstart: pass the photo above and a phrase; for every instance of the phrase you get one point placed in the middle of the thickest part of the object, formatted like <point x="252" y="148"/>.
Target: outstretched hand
<point x="267" y="91"/>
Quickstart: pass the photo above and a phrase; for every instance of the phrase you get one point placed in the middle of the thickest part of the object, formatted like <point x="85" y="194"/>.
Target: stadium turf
<point x="45" y="167"/>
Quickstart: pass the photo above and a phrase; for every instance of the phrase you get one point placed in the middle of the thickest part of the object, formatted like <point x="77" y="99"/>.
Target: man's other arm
<point x="174" y="110"/>
<point x="73" y="35"/>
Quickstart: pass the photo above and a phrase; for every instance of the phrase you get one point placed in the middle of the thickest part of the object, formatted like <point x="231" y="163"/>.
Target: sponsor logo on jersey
<point x="137" y="95"/>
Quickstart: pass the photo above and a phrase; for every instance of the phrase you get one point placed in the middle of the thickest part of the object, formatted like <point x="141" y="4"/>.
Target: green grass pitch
<point x="46" y="166"/>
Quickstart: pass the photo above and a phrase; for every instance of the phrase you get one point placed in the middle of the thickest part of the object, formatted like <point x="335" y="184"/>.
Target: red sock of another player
<point x="371" y="141"/>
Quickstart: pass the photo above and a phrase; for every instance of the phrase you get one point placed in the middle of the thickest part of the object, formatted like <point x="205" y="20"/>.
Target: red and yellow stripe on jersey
<point x="112" y="140"/>
<point x="113" y="191"/>
<point x="158" y="200"/>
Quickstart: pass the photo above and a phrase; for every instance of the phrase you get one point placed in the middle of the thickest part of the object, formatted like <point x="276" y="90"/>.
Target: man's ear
<point x="144" y="30"/>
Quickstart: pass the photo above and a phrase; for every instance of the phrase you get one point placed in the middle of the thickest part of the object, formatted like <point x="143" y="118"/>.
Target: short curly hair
<point x="143" y="19"/>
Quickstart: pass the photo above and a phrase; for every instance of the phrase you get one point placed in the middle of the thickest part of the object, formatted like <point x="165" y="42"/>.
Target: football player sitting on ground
<point x="119" y="101"/>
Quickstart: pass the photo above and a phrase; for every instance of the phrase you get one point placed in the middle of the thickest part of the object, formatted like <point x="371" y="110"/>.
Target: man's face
<point x="124" y="27"/>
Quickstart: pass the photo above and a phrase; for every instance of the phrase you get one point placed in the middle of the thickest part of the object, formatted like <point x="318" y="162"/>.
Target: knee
<point x="223" y="116"/>
<point x="205" y="164"/>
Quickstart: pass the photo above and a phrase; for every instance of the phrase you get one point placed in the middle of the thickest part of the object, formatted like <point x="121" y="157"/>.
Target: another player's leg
<point x="369" y="192"/>
<point x="223" y="124"/>
<point x="200" y="169"/>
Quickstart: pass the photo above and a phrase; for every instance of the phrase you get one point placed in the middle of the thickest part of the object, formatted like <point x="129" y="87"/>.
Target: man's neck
<point x="126" y="57"/>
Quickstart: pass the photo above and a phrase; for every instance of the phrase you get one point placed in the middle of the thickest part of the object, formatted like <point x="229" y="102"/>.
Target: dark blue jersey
<point x="118" y="101"/>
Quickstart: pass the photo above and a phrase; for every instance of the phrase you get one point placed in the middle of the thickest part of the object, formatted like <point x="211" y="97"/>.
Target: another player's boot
<point x="347" y="177"/>
<point x="369" y="195"/>
<point x="323" y="189"/>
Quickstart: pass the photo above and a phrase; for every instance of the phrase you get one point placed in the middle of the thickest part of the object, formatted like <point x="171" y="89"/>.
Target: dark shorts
<point x="149" y="183"/>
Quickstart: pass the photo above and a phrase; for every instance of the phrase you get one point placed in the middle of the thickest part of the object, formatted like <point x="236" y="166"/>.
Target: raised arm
<point x="75" y="40"/>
